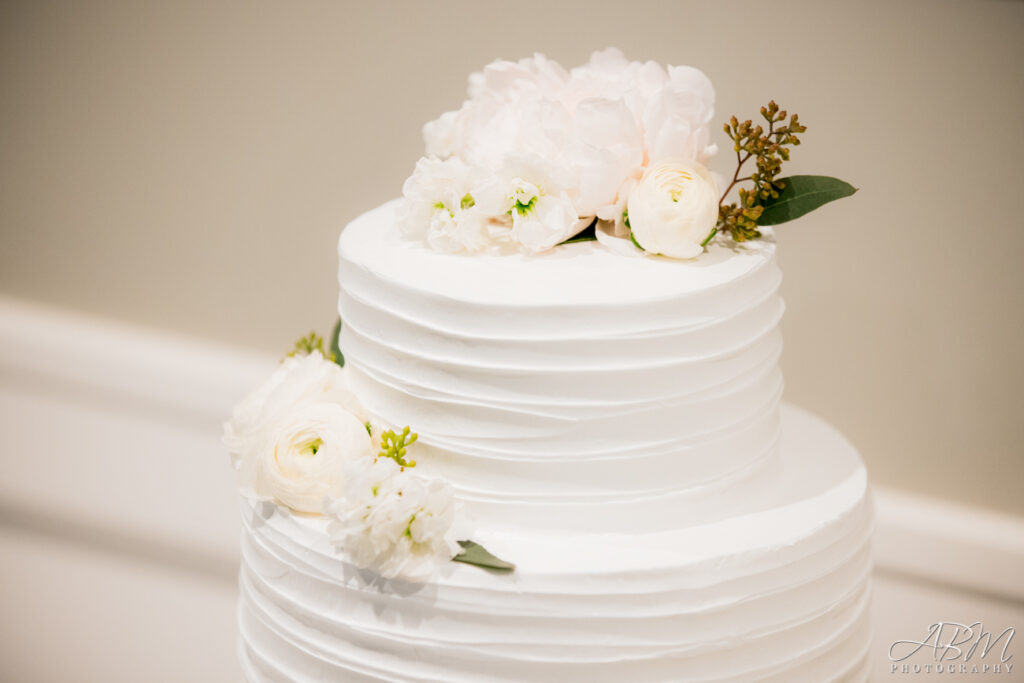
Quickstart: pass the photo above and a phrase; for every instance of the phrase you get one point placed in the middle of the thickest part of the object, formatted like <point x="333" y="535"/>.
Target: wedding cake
<point x="599" y="481"/>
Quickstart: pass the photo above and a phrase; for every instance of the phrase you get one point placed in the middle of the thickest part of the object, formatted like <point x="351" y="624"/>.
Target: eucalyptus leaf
<point x="475" y="554"/>
<point x="335" y="349"/>
<point x="803" y="194"/>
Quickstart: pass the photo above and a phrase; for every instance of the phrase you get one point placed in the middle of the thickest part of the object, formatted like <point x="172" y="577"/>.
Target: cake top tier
<point x="577" y="274"/>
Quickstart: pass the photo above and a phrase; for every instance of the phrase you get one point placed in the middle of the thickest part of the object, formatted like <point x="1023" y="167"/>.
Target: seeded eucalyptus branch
<point x="393" y="446"/>
<point x="314" y="342"/>
<point x="308" y="344"/>
<point x="771" y="200"/>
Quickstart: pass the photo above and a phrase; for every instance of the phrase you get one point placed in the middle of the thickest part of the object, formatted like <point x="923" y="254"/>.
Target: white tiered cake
<point x="564" y="339"/>
<point x="613" y="426"/>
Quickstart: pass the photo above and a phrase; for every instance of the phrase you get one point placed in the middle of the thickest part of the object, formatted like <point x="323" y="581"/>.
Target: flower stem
<point x="714" y="231"/>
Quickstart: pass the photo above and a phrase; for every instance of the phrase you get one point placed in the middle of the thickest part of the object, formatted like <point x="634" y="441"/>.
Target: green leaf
<point x="802" y="194"/>
<point x="475" y="554"/>
<point x="632" y="238"/>
<point x="335" y="349"/>
<point x="587" y="234"/>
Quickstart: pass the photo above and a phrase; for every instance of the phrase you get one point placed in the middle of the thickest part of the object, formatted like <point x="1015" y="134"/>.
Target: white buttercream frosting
<point x="613" y="426"/>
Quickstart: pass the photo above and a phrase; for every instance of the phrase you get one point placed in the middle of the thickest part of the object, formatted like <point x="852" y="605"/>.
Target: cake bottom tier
<point x="777" y="590"/>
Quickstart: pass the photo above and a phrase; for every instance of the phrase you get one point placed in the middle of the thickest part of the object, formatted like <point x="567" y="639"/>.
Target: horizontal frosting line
<point x="825" y="545"/>
<point x="573" y="392"/>
<point x="560" y="498"/>
<point x="489" y="432"/>
<point x="641" y="316"/>
<point x="477" y="357"/>
<point x="830" y="661"/>
<point x="557" y="638"/>
<point x="807" y="639"/>
<point x="691" y="462"/>
<point x="848" y="558"/>
<point x="398" y="325"/>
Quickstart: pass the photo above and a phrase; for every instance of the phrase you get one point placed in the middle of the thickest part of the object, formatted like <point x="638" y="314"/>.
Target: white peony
<point x="504" y="79"/>
<point x="676" y="118"/>
<point x="394" y="522"/>
<point x="615" y="212"/>
<point x="674" y="208"/>
<point x="290" y="438"/>
<point x="604" y="146"/>
<point x="586" y="135"/>
<point x="439" y="135"/>
<point x="610" y="75"/>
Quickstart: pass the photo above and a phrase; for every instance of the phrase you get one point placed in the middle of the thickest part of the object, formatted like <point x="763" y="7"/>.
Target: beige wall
<point x="188" y="166"/>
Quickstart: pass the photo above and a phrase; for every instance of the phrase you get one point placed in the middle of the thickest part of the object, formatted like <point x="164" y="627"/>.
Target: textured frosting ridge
<point x="614" y="426"/>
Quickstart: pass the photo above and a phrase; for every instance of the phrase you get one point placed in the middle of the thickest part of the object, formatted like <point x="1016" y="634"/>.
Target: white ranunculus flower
<point x="392" y="521"/>
<point x="674" y="208"/>
<point x="299" y="379"/>
<point x="301" y="459"/>
<point x="290" y="438"/>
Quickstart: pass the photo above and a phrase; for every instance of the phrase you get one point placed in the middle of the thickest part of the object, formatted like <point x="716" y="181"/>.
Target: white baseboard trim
<point x="117" y="428"/>
<point x="947" y="543"/>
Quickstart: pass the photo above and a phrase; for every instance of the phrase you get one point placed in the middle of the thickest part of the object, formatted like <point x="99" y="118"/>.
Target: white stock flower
<point x="440" y="206"/>
<point x="394" y="522"/>
<point x="290" y="438"/>
<point x="542" y="212"/>
<point x="674" y="208"/>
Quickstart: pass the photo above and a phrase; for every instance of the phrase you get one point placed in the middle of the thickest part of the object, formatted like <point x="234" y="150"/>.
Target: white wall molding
<point x="112" y="432"/>
<point x="107" y="425"/>
<point x="951" y="544"/>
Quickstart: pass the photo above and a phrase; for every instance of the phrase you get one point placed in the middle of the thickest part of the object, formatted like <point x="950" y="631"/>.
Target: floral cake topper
<point x="538" y="156"/>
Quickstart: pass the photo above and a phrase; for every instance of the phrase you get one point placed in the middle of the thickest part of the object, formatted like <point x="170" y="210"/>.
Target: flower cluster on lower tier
<point x="303" y="441"/>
